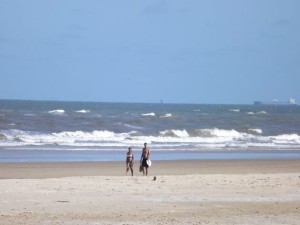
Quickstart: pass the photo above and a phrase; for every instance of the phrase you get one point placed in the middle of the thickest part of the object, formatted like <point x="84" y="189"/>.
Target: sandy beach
<point x="184" y="192"/>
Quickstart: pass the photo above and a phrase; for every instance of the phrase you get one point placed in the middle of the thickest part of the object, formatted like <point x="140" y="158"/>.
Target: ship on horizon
<point x="291" y="101"/>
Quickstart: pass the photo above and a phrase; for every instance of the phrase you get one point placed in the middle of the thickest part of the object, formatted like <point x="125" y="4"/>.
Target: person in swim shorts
<point x="144" y="157"/>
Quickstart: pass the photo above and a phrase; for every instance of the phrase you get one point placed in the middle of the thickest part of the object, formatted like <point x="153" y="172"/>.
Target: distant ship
<point x="291" y="101"/>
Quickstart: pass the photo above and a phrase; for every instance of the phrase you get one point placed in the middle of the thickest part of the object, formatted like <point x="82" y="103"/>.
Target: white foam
<point x="250" y="113"/>
<point x="80" y="135"/>
<point x="83" y="111"/>
<point x="149" y="114"/>
<point x="262" y="112"/>
<point x="202" y="139"/>
<point x="177" y="133"/>
<point x="167" y="115"/>
<point x="286" y="139"/>
<point x="57" y="111"/>
<point x="215" y="132"/>
<point x="234" y="110"/>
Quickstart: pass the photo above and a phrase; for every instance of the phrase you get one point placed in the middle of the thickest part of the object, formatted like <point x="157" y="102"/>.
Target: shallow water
<point x="77" y="156"/>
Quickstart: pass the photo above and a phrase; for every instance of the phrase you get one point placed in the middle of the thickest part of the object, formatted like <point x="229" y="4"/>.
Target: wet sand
<point x="176" y="167"/>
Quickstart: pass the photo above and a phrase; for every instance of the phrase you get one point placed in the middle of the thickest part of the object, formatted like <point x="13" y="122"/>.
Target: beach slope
<point x="244" y="193"/>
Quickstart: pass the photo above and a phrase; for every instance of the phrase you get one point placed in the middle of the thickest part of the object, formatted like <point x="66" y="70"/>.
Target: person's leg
<point x="127" y="168"/>
<point x="144" y="171"/>
<point x="131" y="168"/>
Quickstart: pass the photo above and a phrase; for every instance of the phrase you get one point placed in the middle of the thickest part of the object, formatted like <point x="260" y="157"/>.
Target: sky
<point x="191" y="51"/>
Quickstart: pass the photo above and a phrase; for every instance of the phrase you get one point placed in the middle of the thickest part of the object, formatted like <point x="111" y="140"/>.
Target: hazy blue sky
<point x="191" y="51"/>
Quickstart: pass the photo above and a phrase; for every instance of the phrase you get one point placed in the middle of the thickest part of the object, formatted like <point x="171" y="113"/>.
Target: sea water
<point x="91" y="131"/>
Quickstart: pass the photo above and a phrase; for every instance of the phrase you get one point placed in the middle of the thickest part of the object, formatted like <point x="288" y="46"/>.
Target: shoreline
<point x="11" y="155"/>
<point x="41" y="170"/>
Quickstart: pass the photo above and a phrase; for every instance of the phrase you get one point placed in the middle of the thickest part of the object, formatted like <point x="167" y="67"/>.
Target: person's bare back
<point x="144" y="157"/>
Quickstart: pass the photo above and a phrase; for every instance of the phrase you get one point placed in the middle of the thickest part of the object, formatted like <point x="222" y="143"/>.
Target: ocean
<point x="91" y="131"/>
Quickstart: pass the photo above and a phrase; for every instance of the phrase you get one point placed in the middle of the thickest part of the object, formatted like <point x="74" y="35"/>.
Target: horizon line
<point x="122" y="102"/>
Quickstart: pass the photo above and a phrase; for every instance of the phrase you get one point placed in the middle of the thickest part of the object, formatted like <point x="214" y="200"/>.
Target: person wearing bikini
<point x="129" y="161"/>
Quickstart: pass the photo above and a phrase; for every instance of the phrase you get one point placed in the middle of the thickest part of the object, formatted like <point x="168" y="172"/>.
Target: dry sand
<point x="184" y="192"/>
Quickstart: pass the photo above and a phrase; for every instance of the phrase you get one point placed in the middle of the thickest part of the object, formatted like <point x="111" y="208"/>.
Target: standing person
<point x="129" y="161"/>
<point x="144" y="157"/>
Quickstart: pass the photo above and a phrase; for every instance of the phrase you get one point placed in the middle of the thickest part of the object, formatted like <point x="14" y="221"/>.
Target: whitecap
<point x="286" y="139"/>
<point x="83" y="111"/>
<point x="94" y="135"/>
<point x="234" y="110"/>
<point x="250" y="113"/>
<point x="255" y="131"/>
<point x="176" y="133"/>
<point x="149" y="114"/>
<point x="57" y="111"/>
<point x="167" y="115"/>
<point x="215" y="132"/>
<point x="262" y="112"/>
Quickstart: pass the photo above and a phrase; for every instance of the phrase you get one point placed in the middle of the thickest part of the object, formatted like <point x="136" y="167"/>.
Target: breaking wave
<point x="167" y="115"/>
<point x="255" y="131"/>
<point x="174" y="133"/>
<point x="199" y="139"/>
<point x="217" y="133"/>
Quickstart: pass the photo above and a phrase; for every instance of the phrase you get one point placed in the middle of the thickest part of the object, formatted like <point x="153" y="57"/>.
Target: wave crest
<point x="57" y="111"/>
<point x="215" y="132"/>
<point x="167" y="115"/>
<point x="83" y="111"/>
<point x="254" y="131"/>
<point x="174" y="133"/>
<point x="234" y="110"/>
<point x="3" y="137"/>
<point x="200" y="139"/>
<point x="149" y="114"/>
